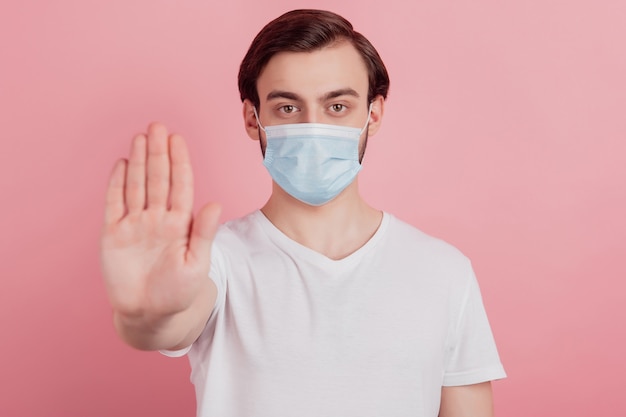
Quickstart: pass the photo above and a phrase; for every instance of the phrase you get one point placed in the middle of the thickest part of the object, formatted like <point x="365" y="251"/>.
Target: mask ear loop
<point x="258" y="121"/>
<point x="367" y="122"/>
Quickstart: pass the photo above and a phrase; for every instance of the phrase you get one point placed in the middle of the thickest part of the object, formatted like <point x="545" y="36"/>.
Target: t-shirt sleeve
<point x="472" y="356"/>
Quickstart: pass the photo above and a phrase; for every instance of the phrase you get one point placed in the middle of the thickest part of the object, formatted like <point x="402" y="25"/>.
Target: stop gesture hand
<point x="155" y="255"/>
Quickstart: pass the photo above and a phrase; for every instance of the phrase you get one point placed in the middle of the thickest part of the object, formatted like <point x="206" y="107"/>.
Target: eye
<point x="337" y="108"/>
<point x="288" y="108"/>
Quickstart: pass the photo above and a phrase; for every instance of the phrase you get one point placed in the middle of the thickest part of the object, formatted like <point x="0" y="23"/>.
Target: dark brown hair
<point x="306" y="31"/>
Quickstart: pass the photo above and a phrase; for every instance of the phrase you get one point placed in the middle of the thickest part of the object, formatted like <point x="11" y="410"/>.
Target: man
<point x="317" y="304"/>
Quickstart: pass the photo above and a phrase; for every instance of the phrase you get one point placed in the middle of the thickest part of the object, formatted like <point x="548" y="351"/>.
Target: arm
<point x="155" y="255"/>
<point x="467" y="401"/>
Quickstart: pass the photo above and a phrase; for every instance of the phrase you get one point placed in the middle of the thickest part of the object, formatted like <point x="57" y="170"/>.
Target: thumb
<point x="203" y="231"/>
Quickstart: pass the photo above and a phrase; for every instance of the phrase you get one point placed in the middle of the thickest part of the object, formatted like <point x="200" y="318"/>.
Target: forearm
<point x="467" y="401"/>
<point x="148" y="331"/>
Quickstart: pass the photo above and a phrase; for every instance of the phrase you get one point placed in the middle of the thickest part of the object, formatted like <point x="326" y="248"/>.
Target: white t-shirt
<point x="378" y="333"/>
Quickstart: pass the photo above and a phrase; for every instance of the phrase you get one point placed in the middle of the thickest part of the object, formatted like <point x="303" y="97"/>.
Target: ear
<point x="376" y="115"/>
<point x="249" y="120"/>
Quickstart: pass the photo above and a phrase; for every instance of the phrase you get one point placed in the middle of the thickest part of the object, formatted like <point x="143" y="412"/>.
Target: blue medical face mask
<point x="312" y="162"/>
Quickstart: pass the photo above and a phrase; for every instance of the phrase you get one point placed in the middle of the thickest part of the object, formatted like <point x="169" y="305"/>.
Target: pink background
<point x="504" y="134"/>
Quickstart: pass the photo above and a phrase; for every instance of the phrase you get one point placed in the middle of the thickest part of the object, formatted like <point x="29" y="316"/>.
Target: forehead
<point x="312" y="74"/>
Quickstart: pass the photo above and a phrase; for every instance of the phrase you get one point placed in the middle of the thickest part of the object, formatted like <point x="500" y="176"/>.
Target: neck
<point x="335" y="229"/>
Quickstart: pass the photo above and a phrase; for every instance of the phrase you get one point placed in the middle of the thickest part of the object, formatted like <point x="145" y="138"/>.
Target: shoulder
<point x="238" y="230"/>
<point x="406" y="237"/>
<point x="425" y="258"/>
<point x="242" y="238"/>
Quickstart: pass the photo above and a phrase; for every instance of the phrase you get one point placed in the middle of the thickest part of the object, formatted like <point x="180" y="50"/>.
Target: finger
<point x="203" y="231"/>
<point x="114" y="208"/>
<point x="158" y="167"/>
<point x="182" y="175"/>
<point x="136" y="175"/>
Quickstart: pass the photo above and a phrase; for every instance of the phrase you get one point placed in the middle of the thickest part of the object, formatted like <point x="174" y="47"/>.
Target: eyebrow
<point x="276" y="94"/>
<point x="341" y="92"/>
<point x="282" y="94"/>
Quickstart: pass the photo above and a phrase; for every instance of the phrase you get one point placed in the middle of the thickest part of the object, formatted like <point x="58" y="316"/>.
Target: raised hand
<point x="155" y="255"/>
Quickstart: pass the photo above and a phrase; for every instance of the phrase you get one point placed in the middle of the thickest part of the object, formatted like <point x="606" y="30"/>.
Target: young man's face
<point x="324" y="86"/>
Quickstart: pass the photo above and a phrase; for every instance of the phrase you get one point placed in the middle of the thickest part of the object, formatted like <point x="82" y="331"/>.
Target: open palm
<point x="155" y="255"/>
